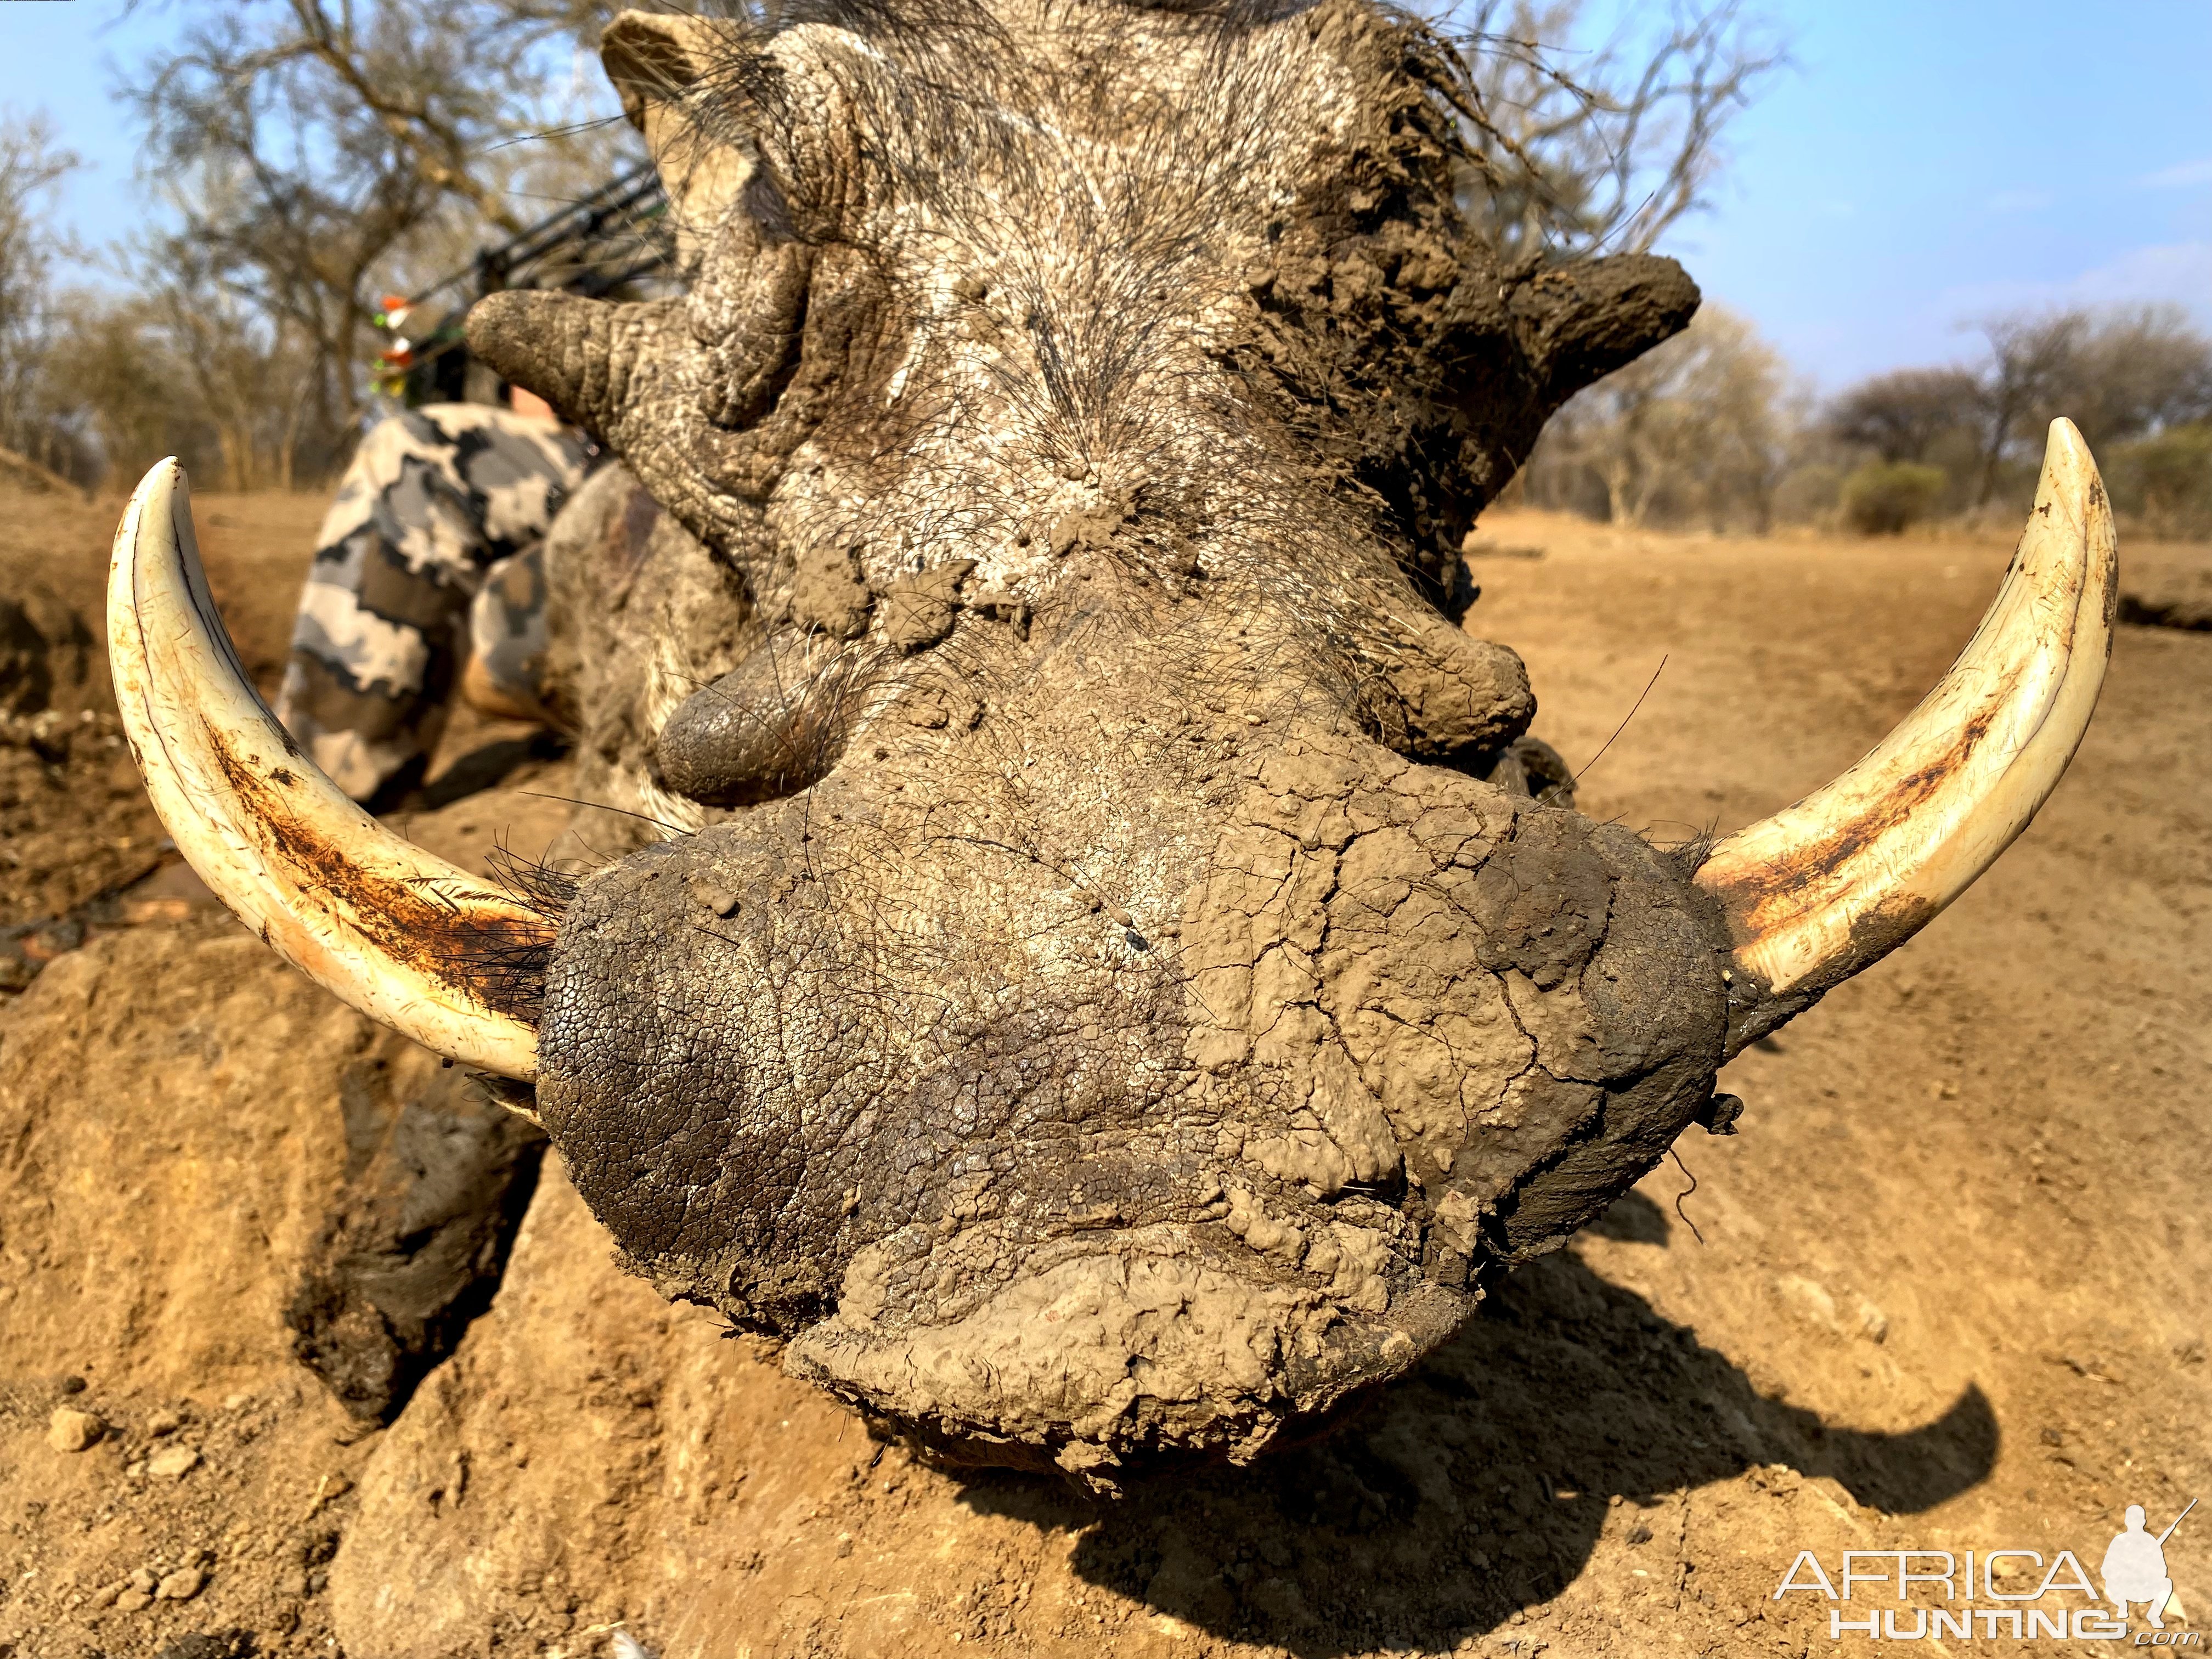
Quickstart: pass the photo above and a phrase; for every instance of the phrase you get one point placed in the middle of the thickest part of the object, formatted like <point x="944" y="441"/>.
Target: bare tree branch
<point x="316" y="151"/>
<point x="1609" y="153"/>
<point x="31" y="164"/>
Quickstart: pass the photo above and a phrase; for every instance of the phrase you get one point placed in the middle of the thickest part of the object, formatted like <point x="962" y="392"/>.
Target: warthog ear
<point x="661" y="64"/>
<point x="657" y="56"/>
<point x="1577" y="324"/>
<point x="1513" y="346"/>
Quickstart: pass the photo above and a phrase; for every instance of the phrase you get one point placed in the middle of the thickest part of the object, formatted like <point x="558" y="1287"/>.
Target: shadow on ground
<point x="1478" y="1484"/>
<point x="485" y="766"/>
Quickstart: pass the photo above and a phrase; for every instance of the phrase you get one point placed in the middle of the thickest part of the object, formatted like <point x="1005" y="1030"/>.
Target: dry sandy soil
<point x="1951" y="1291"/>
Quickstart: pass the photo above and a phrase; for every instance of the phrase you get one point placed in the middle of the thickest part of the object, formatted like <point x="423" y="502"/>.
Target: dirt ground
<point x="1951" y="1290"/>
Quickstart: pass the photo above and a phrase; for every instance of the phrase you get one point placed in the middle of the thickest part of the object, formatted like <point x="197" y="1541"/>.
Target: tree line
<point x="305" y="156"/>
<point x="302" y="159"/>
<point x="1712" y="431"/>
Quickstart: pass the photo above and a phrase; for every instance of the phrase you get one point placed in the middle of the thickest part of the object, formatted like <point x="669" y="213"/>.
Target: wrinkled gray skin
<point x="1102" y="1009"/>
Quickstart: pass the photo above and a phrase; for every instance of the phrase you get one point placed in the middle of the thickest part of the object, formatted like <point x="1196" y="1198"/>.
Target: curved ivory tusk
<point x="438" y="955"/>
<point x="1826" y="887"/>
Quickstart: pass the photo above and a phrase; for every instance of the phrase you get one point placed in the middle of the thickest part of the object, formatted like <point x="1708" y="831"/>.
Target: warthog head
<point x="1106" y="996"/>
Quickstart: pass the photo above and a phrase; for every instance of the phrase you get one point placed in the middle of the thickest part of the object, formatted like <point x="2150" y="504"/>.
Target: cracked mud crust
<point x="1092" y="1003"/>
<point x="1152" y="1149"/>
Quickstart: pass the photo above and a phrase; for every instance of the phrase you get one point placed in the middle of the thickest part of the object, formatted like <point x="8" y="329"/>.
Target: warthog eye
<point x="763" y="202"/>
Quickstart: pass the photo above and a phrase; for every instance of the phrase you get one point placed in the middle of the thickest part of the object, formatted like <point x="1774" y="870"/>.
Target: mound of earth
<point x="74" y="821"/>
<point x="1949" y="1292"/>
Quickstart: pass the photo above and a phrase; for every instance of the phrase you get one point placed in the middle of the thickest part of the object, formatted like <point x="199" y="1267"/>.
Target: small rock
<point x="71" y="1431"/>
<point x="105" y="1597"/>
<point x="133" y="1600"/>
<point x="1872" y="1322"/>
<point x="173" y="1462"/>
<point x="1810" y="1299"/>
<point x="1817" y="1306"/>
<point x="716" y="898"/>
<point x="143" y="1581"/>
<point x="181" y="1585"/>
<point x="72" y="1385"/>
<point x="164" y="1423"/>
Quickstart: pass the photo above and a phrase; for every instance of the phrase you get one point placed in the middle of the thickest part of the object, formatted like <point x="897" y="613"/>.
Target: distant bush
<point x="1885" y="498"/>
<point x="1807" y="494"/>
<point x="1693" y="433"/>
<point x="2165" y="482"/>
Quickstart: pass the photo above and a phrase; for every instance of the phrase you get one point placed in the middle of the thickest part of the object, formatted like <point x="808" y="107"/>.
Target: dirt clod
<point x="72" y="1430"/>
<point x="173" y="1462"/>
<point x="227" y="1644"/>
<point x="437" y="1175"/>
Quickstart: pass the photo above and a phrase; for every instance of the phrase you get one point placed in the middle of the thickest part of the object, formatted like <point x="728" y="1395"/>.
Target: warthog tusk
<point x="440" y="957"/>
<point x="1825" y="888"/>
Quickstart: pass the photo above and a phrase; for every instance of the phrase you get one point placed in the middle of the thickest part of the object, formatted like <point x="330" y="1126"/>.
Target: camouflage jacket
<point x="427" y="571"/>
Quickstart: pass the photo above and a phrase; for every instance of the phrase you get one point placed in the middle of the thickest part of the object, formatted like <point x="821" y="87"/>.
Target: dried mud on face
<point x="1950" y="1295"/>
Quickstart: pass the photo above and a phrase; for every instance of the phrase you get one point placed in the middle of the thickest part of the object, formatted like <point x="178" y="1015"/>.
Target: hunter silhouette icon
<point x="2135" y="1566"/>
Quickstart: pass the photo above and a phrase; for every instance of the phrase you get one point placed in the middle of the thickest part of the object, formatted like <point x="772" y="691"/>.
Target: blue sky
<point x="1922" y="165"/>
<point x="53" y="57"/>
<point x="1927" y="163"/>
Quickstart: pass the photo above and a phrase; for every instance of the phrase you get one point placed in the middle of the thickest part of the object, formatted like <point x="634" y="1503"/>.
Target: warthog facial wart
<point x="1116" y="982"/>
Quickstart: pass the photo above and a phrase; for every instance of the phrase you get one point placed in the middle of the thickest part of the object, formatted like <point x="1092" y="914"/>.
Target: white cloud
<point x="2182" y="177"/>
<point x="2178" y="273"/>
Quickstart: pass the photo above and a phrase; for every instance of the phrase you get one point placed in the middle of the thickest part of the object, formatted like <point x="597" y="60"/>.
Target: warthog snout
<point x="1019" y="1148"/>
<point x="1100" y="992"/>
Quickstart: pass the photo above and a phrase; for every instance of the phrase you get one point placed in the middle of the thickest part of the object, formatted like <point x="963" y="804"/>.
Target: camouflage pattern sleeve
<point x="435" y="500"/>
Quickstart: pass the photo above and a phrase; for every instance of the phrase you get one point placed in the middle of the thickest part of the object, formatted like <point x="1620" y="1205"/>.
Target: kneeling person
<point x="427" y="572"/>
